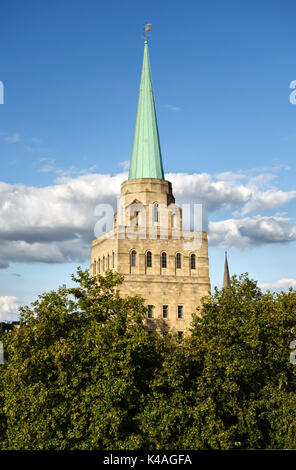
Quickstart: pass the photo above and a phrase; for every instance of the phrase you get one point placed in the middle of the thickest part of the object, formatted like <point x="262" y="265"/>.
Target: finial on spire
<point x="147" y="29"/>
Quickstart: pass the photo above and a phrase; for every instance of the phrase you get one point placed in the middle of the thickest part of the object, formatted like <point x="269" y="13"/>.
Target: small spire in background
<point x="226" y="277"/>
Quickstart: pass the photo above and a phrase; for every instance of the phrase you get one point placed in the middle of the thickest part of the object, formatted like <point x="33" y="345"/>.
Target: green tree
<point x="78" y="369"/>
<point x="3" y="424"/>
<point x="83" y="372"/>
<point x="232" y="384"/>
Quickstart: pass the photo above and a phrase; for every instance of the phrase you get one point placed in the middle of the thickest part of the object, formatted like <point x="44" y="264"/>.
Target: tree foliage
<point x="84" y="373"/>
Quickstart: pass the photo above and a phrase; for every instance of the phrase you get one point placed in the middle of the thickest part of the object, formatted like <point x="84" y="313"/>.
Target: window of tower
<point x="99" y="265"/>
<point x="103" y="263"/>
<point x="150" y="311"/>
<point x="155" y="212"/>
<point x="149" y="259"/>
<point x="174" y="221"/>
<point x="192" y="261"/>
<point x="163" y="260"/>
<point x="180" y="311"/>
<point x="178" y="261"/>
<point x="133" y="258"/>
<point x="165" y="310"/>
<point x="113" y="259"/>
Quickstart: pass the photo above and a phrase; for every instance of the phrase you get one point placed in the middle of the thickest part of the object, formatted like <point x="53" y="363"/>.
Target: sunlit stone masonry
<point x="160" y="261"/>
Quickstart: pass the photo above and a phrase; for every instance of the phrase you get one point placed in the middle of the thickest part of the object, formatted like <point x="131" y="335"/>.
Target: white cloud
<point x="125" y="164"/>
<point x="230" y="177"/>
<point x="48" y="166"/>
<point x="202" y="188"/>
<point x="230" y="191"/>
<point x="55" y="224"/>
<point x="173" y="108"/>
<point x="12" y="139"/>
<point x="9" y="308"/>
<point x="252" y="231"/>
<point x="281" y="285"/>
<point x="270" y="199"/>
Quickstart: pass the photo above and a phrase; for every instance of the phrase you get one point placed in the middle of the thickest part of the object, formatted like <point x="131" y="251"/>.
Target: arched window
<point x="178" y="261"/>
<point x="155" y="212"/>
<point x="99" y="265"/>
<point x="108" y="261"/>
<point x="174" y="221"/>
<point x="133" y="258"/>
<point x="149" y="259"/>
<point x="113" y="258"/>
<point x="192" y="261"/>
<point x="103" y="263"/>
<point x="163" y="260"/>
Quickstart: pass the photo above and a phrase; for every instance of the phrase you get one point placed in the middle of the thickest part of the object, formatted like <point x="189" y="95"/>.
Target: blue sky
<point x="221" y="72"/>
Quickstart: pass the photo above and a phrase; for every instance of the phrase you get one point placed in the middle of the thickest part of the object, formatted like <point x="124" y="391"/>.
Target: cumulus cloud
<point x="248" y="193"/>
<point x="9" y="308"/>
<point x="252" y="231"/>
<point x="281" y="285"/>
<point x="230" y="177"/>
<point x="202" y="188"/>
<point x="55" y="224"/>
<point x="270" y="199"/>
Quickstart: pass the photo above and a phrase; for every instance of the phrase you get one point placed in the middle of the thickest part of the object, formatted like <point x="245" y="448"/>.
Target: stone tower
<point x="160" y="261"/>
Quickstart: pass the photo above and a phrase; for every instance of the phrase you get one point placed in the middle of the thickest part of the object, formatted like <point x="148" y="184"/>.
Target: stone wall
<point x="177" y="287"/>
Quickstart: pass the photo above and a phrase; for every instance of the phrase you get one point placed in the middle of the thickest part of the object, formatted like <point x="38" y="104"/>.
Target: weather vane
<point x="147" y="29"/>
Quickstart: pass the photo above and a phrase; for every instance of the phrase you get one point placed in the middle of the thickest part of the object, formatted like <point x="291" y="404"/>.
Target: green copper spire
<point x="146" y="161"/>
